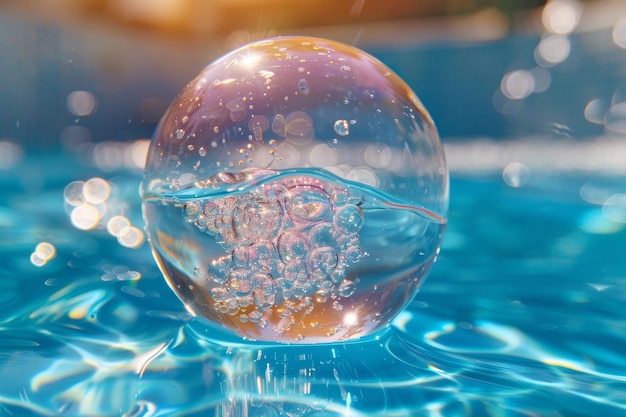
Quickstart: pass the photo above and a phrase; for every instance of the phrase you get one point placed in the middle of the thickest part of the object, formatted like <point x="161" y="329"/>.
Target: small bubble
<point x="185" y="119"/>
<point x="216" y="129"/>
<point x="354" y="254"/>
<point x="190" y="147"/>
<point x="258" y="124"/>
<point x="349" y="218"/>
<point x="321" y="296"/>
<point x="180" y="133"/>
<point x="322" y="261"/>
<point x="346" y="288"/>
<point x="255" y="316"/>
<point x="303" y="86"/>
<point x="292" y="246"/>
<point x="345" y="68"/>
<point x="340" y="197"/>
<point x="202" y="151"/>
<point x="279" y="125"/>
<point x="218" y="269"/>
<point x="308" y="204"/>
<point x="192" y="210"/>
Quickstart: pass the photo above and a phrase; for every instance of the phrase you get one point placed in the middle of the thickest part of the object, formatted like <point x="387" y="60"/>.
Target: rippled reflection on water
<point x="523" y="315"/>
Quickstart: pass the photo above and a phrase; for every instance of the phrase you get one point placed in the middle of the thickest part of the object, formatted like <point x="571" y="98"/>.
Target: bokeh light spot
<point x="614" y="208"/>
<point x="131" y="237"/>
<point x="594" y="111"/>
<point x="11" y="155"/>
<point x="518" y="84"/>
<point x="561" y="16"/>
<point x="85" y="216"/>
<point x="516" y="174"/>
<point x="44" y="252"/>
<point x="96" y="190"/>
<point x="81" y="103"/>
<point x="552" y="50"/>
<point x="619" y="33"/>
<point x="117" y="224"/>
<point x="73" y="193"/>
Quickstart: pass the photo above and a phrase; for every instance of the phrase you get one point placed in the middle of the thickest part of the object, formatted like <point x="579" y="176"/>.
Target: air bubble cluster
<point x="289" y="240"/>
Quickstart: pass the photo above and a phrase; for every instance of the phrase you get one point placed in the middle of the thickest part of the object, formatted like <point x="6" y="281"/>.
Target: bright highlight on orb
<point x="296" y="191"/>
<point x="250" y="60"/>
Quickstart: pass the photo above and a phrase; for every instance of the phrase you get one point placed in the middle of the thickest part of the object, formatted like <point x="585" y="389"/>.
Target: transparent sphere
<point x="296" y="191"/>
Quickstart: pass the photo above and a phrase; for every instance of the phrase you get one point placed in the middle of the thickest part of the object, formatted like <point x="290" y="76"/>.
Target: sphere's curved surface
<point x="296" y="191"/>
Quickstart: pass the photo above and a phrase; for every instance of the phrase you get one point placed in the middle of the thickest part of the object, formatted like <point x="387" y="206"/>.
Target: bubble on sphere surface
<point x="296" y="191"/>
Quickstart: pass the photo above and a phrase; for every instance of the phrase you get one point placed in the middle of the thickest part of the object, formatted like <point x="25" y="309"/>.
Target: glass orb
<point x="296" y="191"/>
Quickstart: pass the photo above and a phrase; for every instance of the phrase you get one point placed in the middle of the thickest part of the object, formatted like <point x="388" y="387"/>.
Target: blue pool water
<point x="522" y="315"/>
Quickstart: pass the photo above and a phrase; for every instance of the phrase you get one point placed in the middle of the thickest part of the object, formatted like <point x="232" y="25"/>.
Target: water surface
<point x="523" y="314"/>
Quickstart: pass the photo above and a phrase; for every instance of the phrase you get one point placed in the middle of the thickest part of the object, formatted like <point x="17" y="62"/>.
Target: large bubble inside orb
<point x="296" y="191"/>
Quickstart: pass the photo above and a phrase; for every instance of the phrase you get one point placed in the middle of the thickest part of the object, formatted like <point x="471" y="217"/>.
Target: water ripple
<point x="531" y="326"/>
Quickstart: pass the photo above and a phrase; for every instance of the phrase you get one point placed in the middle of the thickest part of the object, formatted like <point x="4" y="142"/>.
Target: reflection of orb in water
<point x="296" y="191"/>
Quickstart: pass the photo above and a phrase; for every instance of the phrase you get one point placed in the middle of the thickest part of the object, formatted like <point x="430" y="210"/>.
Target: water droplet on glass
<point x="341" y="127"/>
<point x="346" y="288"/>
<point x="279" y="125"/>
<point x="303" y="86"/>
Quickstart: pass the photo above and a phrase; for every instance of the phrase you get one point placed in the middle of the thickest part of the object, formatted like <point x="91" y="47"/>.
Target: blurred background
<point x="78" y="73"/>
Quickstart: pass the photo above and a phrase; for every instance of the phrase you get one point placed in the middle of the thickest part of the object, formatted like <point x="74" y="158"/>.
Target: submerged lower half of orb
<point x="294" y="258"/>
